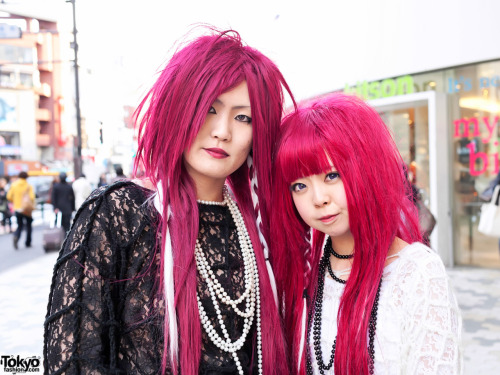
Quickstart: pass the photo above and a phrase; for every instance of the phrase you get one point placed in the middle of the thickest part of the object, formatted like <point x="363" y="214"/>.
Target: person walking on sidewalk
<point x="22" y="196"/>
<point x="4" y="206"/>
<point x="82" y="189"/>
<point x="63" y="200"/>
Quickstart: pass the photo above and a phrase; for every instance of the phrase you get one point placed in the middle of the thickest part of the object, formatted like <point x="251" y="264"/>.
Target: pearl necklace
<point x="251" y="295"/>
<point x="212" y="203"/>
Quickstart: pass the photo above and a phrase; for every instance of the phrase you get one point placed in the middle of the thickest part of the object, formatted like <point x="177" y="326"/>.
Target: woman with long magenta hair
<point x="170" y="274"/>
<point x="361" y="293"/>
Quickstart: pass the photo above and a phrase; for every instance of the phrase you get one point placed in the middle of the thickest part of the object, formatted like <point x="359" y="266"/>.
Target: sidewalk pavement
<point x="25" y="290"/>
<point x="478" y="295"/>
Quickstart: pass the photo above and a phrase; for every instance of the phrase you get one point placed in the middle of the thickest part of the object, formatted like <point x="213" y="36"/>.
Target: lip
<point x="328" y="218"/>
<point x="217" y="153"/>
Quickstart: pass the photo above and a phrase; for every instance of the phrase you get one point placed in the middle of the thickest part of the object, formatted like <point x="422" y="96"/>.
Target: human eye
<point x="297" y="187"/>
<point x="243" y="118"/>
<point x="212" y="110"/>
<point x="332" y="176"/>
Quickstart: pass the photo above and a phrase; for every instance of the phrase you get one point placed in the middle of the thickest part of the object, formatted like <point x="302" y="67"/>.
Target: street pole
<point x="77" y="150"/>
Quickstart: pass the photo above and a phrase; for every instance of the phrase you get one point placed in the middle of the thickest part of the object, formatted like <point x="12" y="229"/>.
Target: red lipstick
<point x="328" y="218"/>
<point x="217" y="153"/>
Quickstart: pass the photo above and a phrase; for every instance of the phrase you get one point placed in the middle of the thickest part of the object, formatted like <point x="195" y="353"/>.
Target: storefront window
<point x="467" y="129"/>
<point x="476" y="111"/>
<point x="473" y="96"/>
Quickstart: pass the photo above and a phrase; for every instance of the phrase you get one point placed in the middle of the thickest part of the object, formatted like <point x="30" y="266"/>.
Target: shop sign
<point x="382" y="89"/>
<point x="466" y="84"/>
<point x="463" y="130"/>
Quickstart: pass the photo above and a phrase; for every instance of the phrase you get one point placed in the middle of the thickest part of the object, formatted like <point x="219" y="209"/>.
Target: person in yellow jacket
<point x="22" y="196"/>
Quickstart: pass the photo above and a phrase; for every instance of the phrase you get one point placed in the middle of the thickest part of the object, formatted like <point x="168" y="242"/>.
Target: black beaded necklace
<point x="316" y="321"/>
<point x="329" y="247"/>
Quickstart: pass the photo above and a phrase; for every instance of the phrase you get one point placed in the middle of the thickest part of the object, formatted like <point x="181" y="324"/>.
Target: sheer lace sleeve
<point x="102" y="316"/>
<point x="432" y="328"/>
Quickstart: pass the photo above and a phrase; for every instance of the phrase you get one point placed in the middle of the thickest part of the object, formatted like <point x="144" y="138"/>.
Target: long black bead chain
<point x="316" y="322"/>
<point x="334" y="277"/>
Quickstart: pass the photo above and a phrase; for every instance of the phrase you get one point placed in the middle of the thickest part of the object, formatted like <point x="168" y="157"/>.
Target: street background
<point x="320" y="46"/>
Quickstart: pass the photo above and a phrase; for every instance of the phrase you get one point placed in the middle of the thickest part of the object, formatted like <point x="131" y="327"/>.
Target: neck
<point x="343" y="245"/>
<point x="209" y="190"/>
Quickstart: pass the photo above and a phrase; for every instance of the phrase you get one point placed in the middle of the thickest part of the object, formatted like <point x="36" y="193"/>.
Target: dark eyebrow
<point x="218" y="101"/>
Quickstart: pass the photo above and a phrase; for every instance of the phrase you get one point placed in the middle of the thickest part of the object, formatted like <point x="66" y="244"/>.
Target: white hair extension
<point x="307" y="255"/>
<point x="168" y="277"/>
<point x="255" y="200"/>
<point x="303" y="319"/>
<point x="302" y="331"/>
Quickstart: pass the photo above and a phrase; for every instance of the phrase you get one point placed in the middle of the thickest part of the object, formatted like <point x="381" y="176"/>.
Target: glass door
<point x="419" y="126"/>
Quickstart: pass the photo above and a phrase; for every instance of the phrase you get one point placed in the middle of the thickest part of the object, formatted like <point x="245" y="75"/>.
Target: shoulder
<point x="417" y="269"/>
<point x="112" y="216"/>
<point x="421" y="258"/>
<point x="420" y="274"/>
<point x="120" y="197"/>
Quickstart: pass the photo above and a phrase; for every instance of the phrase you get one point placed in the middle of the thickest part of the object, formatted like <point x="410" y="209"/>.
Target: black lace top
<point x="104" y="316"/>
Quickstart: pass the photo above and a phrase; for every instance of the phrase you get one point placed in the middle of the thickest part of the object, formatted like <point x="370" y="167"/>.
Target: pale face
<point x="224" y="141"/>
<point x="321" y="202"/>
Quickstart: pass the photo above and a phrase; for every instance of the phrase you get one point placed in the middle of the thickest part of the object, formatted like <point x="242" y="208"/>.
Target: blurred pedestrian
<point x="22" y="195"/>
<point x="55" y="180"/>
<point x="426" y="219"/>
<point x="63" y="200"/>
<point x="119" y="174"/>
<point x="103" y="181"/>
<point x="81" y="189"/>
<point x="487" y="194"/>
<point x="4" y="206"/>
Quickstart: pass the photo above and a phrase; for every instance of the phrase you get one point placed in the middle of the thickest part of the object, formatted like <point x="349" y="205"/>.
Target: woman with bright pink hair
<point x="170" y="273"/>
<point x="361" y="293"/>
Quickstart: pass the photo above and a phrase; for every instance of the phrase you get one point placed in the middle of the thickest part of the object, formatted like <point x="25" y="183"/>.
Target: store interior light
<point x="432" y="84"/>
<point x="481" y="104"/>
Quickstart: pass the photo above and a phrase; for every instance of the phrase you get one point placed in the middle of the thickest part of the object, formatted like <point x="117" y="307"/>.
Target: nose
<point x="221" y="128"/>
<point x="320" y="195"/>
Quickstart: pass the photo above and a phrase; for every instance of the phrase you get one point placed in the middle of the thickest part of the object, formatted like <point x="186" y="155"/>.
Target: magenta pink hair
<point x="172" y="113"/>
<point x="345" y="131"/>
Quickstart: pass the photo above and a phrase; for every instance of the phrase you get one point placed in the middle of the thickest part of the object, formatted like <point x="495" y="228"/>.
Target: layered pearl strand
<point x="251" y="295"/>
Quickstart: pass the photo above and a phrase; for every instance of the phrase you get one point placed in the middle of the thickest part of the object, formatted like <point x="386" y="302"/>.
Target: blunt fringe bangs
<point x="344" y="131"/>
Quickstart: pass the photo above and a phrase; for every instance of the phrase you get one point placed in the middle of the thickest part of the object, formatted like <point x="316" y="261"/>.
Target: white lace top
<point x="418" y="322"/>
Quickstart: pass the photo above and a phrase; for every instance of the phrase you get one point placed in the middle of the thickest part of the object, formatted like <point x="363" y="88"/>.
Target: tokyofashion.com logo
<point x="19" y="365"/>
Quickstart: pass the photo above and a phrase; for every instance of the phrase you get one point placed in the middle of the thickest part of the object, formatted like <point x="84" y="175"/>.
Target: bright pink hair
<point x="345" y="131"/>
<point x="172" y="113"/>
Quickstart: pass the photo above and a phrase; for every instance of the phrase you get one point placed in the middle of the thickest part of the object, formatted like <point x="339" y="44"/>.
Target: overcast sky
<point x="124" y="42"/>
<point x="319" y="45"/>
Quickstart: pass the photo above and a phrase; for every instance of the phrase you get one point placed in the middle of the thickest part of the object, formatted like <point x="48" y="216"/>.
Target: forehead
<point x="301" y="157"/>
<point x="236" y="97"/>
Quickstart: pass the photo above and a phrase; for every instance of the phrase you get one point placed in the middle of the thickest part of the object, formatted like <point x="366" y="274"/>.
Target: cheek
<point x="246" y="142"/>
<point x="301" y="207"/>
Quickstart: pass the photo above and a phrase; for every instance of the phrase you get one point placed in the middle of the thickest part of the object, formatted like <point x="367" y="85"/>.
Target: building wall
<point x="17" y="124"/>
<point x="44" y="138"/>
<point x="352" y="41"/>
